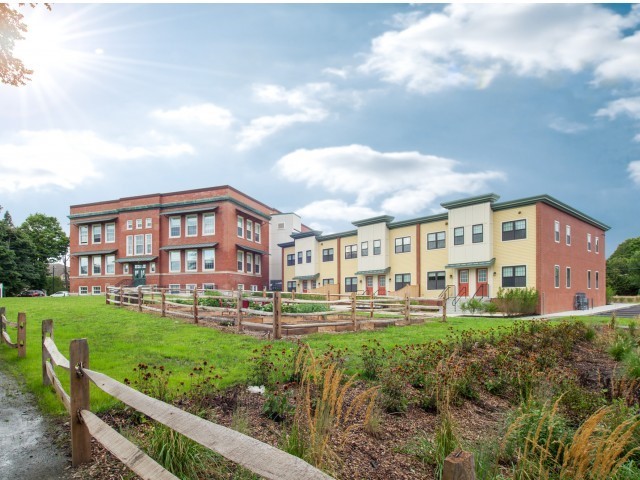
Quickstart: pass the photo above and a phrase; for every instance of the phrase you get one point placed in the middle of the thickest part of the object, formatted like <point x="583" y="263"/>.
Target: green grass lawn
<point x="120" y="339"/>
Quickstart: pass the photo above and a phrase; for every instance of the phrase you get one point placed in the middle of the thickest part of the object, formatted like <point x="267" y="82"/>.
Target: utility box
<point x="581" y="302"/>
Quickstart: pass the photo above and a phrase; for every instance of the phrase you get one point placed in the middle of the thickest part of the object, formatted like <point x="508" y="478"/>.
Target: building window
<point x="350" y="251"/>
<point x="556" y="231"/>
<point x="139" y="244"/>
<point x="240" y="227"/>
<point x="240" y="261"/>
<point x="281" y="226"/>
<point x="191" y="226"/>
<point x="588" y="242"/>
<point x="291" y="286"/>
<point x="458" y="236"/>
<point x="249" y="229"/>
<point x="257" y="232"/>
<point x="129" y="224"/>
<point x="190" y="287"/>
<point x="299" y="258"/>
<point x="597" y="245"/>
<point x="327" y="255"/>
<point x="597" y="280"/>
<point x="476" y="233"/>
<point x="152" y="267"/>
<point x="254" y="288"/>
<point x="148" y="243"/>
<point x="84" y="235"/>
<point x="291" y="259"/>
<point x="514" y="230"/>
<point x="96" y="234"/>
<point x="174" y="227"/>
<point x="435" y="240"/>
<point x="308" y="256"/>
<point x="208" y="224"/>
<point x="191" y="260"/>
<point x="208" y="259"/>
<point x="84" y="266"/>
<point x="148" y="223"/>
<point x="208" y="286"/>
<point x="97" y="266"/>
<point x="125" y="268"/>
<point x="589" y="279"/>
<point x="249" y="262"/>
<point x="403" y="244"/>
<point x="568" y="277"/>
<point x="327" y="281"/>
<point x="174" y="288"/>
<point x="257" y="263"/>
<point x="129" y="245"/>
<point x="110" y="233"/>
<point x="351" y="284"/>
<point x="174" y="261"/>
<point x="568" y="234"/>
<point x="436" y="280"/>
<point x="556" y="276"/>
<point x="138" y="223"/>
<point x="514" y="276"/>
<point x="377" y="247"/>
<point x="110" y="264"/>
<point x="84" y="291"/>
<point x="240" y="287"/>
<point x="402" y="279"/>
<point x="96" y="290"/>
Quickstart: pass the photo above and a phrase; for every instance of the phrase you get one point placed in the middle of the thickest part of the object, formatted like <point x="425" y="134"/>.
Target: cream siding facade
<point x="403" y="263"/>
<point x="328" y="270"/>
<point x="435" y="259"/>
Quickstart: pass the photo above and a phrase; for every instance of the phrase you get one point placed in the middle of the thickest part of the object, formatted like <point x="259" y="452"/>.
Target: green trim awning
<point x="142" y="258"/>
<point x="307" y="277"/>
<point x="93" y="252"/>
<point x="87" y="220"/>
<point x="251" y="249"/>
<point x="383" y="271"/>
<point x="190" y="246"/>
<point x="209" y="208"/>
<point x="486" y="263"/>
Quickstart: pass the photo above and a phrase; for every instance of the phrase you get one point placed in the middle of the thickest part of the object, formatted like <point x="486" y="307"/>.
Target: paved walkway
<point x="596" y="311"/>
<point x="27" y="449"/>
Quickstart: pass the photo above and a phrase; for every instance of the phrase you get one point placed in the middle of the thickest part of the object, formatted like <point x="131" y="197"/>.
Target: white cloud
<point x="337" y="72"/>
<point x="563" y="125"/>
<point x="623" y="106"/>
<point x="333" y="209"/>
<point x="634" y="171"/>
<point x="468" y="45"/>
<point x="37" y="159"/>
<point x="306" y="96"/>
<point x="404" y="182"/>
<point x="204" y="115"/>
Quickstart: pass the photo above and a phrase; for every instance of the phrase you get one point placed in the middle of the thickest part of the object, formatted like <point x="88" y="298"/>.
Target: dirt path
<point x="28" y="450"/>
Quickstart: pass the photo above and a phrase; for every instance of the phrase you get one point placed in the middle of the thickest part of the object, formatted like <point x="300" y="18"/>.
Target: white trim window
<point x="174" y="227"/>
<point x="174" y="261"/>
<point x="138" y="243"/>
<point x="597" y="245"/>
<point x="240" y="226"/>
<point x="96" y="233"/>
<point x="190" y="287"/>
<point x="191" y="261"/>
<point x="129" y="245"/>
<point x="148" y="243"/>
<point x="110" y="233"/>
<point x="556" y="276"/>
<point x="209" y="224"/>
<point x="83" y="291"/>
<point x="254" y="288"/>
<point x="148" y="223"/>
<point x="129" y="224"/>
<point x="110" y="265"/>
<point x="589" y="279"/>
<point x="83" y="266"/>
<point x="96" y="290"/>
<point x="83" y="235"/>
<point x="249" y="229"/>
<point x="174" y="288"/>
<point x="97" y="265"/>
<point x="152" y="267"/>
<point x="588" y="242"/>
<point x="208" y="259"/>
<point x="191" y="226"/>
<point x="258" y="263"/>
<point x="556" y="231"/>
<point x="138" y="223"/>
<point x="249" y="262"/>
<point x="597" y="280"/>
<point x="257" y="232"/>
<point x="240" y="261"/>
<point x="125" y="268"/>
<point x="568" y="279"/>
<point x="208" y="286"/>
<point x="568" y="234"/>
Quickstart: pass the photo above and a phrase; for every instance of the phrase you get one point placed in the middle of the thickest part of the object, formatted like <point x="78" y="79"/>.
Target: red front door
<point x="482" y="289"/>
<point x="382" y="289"/>
<point x="463" y="283"/>
<point x="369" y="280"/>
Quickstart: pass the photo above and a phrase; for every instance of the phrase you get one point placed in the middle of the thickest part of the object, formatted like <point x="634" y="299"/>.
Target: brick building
<point x="214" y="237"/>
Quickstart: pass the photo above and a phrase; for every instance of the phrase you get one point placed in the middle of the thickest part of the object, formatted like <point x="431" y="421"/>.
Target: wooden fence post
<point x="3" y="312"/>
<point x="277" y="316"/>
<point x="407" y="308"/>
<point x="47" y="330"/>
<point x="371" y="306"/>
<point x="79" y="386"/>
<point x="163" y="305"/>
<point x="121" y="296"/>
<point x="239" y="311"/>
<point x="195" y="305"/>
<point x="459" y="466"/>
<point x="22" y="335"/>
<point x="354" y="321"/>
<point x="444" y="310"/>
<point x="106" y="295"/>
<point x="139" y="298"/>
<point x="264" y="292"/>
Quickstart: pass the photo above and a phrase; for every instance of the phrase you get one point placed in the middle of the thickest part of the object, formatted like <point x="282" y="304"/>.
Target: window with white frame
<point x="249" y="262"/>
<point x="138" y="243"/>
<point x="258" y="262"/>
<point x="84" y="235"/>
<point x="190" y="287"/>
<point x="249" y="229"/>
<point x="83" y="290"/>
<point x="129" y="245"/>
<point x="174" y="288"/>
<point x="556" y="276"/>
<point x="588" y="242"/>
<point x="174" y="261"/>
<point x="96" y="290"/>
<point x="240" y="287"/>
<point x="208" y="286"/>
<point x="97" y="265"/>
<point x="556" y="231"/>
<point x="597" y="245"/>
<point x="568" y="283"/>
<point x="148" y="223"/>
<point x="209" y="224"/>
<point x="148" y="243"/>
<point x="129" y="224"/>
<point x="138" y="223"/>
<point x="589" y="279"/>
<point x="257" y="232"/>
<point x="191" y="226"/>
<point x="152" y="267"/>
<point x="597" y="280"/>
<point x="174" y="227"/>
<point x="240" y="226"/>
<point x="208" y="259"/>
<point x="240" y="261"/>
<point x="254" y="288"/>
<point x="568" y="234"/>
<point x="110" y="264"/>
<point x="83" y="266"/>
<point x="191" y="260"/>
<point x="110" y="233"/>
<point x="96" y="234"/>
<point x="125" y="268"/>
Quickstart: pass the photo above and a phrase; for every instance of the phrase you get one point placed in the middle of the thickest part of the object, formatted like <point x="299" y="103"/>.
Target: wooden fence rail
<point x="21" y="338"/>
<point x="256" y="456"/>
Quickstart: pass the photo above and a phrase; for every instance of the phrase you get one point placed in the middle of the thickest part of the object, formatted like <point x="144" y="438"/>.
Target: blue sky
<point x="337" y="112"/>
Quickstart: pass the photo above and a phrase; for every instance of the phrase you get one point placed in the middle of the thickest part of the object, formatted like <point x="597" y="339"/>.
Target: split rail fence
<point x="260" y="458"/>
<point x="278" y="313"/>
<point x="21" y="337"/>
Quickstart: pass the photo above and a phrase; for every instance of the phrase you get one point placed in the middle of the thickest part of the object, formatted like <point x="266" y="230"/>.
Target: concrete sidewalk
<point x="569" y="313"/>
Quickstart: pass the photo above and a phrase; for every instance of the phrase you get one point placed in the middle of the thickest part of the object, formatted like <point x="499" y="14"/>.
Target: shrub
<point x="177" y="453"/>
<point x="514" y="301"/>
<point x="393" y="396"/>
<point x="277" y="406"/>
<point x="472" y="306"/>
<point x="372" y="361"/>
<point x="490" y="308"/>
<point x="620" y="347"/>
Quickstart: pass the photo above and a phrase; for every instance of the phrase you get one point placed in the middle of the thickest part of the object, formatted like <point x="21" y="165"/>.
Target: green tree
<point x="47" y="236"/>
<point x="623" y="268"/>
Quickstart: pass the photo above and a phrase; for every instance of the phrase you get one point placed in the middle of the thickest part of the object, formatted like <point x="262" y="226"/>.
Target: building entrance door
<point x="482" y="289"/>
<point x="139" y="275"/>
<point x="463" y="283"/>
<point x="382" y="285"/>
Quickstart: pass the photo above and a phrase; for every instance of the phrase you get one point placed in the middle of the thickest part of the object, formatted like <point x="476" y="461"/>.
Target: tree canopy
<point x="623" y="268"/>
<point x="12" y="70"/>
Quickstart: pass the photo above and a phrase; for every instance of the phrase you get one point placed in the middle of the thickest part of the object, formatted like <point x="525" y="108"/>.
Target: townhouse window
<point x="96" y="290"/>
<point x="240" y="261"/>
<point x="84" y="266"/>
<point x="556" y="276"/>
<point x="110" y="264"/>
<point x="148" y="223"/>
<point x="588" y="242"/>
<point x="568" y="234"/>
<point x="254" y="288"/>
<point x="191" y="226"/>
<point x="139" y="244"/>
<point x="377" y="247"/>
<point x="299" y="258"/>
<point x="174" y="261"/>
<point x="403" y="244"/>
<point x="249" y="262"/>
<point x="129" y="245"/>
<point x="327" y="281"/>
<point x="477" y="233"/>
<point x="138" y="223"/>
<point x="291" y="286"/>
<point x="208" y="286"/>
<point x="556" y="231"/>
<point x="110" y="232"/>
<point x="589" y="279"/>
<point x="597" y="280"/>
<point x="208" y="259"/>
<point x="514" y="230"/>
<point x="191" y="260"/>
<point x="125" y="268"/>
<point x="258" y="263"/>
<point x="84" y="235"/>
<point x="435" y="240"/>
<point x="351" y="284"/>
<point x="97" y="266"/>
<point x="350" y="251"/>
<point x="327" y="255"/>
<point x="209" y="224"/>
<point x="281" y="226"/>
<point x="436" y="280"/>
<point x="96" y="234"/>
<point x="257" y="232"/>
<point x="152" y="267"/>
<point x="83" y="291"/>
<point x="240" y="287"/>
<point x="240" y="226"/>
<point x="402" y="279"/>
<point x="174" y="227"/>
<point x="129" y="224"/>
<point x="308" y="256"/>
<point x="515" y="276"/>
<point x="458" y="236"/>
<point x="174" y="288"/>
<point x="249" y="229"/>
<point x="597" y="245"/>
<point x="568" y="277"/>
<point x="364" y="249"/>
<point x="190" y="287"/>
<point x="148" y="243"/>
<point x="291" y="259"/>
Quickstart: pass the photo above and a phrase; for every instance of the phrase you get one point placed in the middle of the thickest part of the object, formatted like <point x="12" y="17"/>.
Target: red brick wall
<point x="576" y="256"/>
